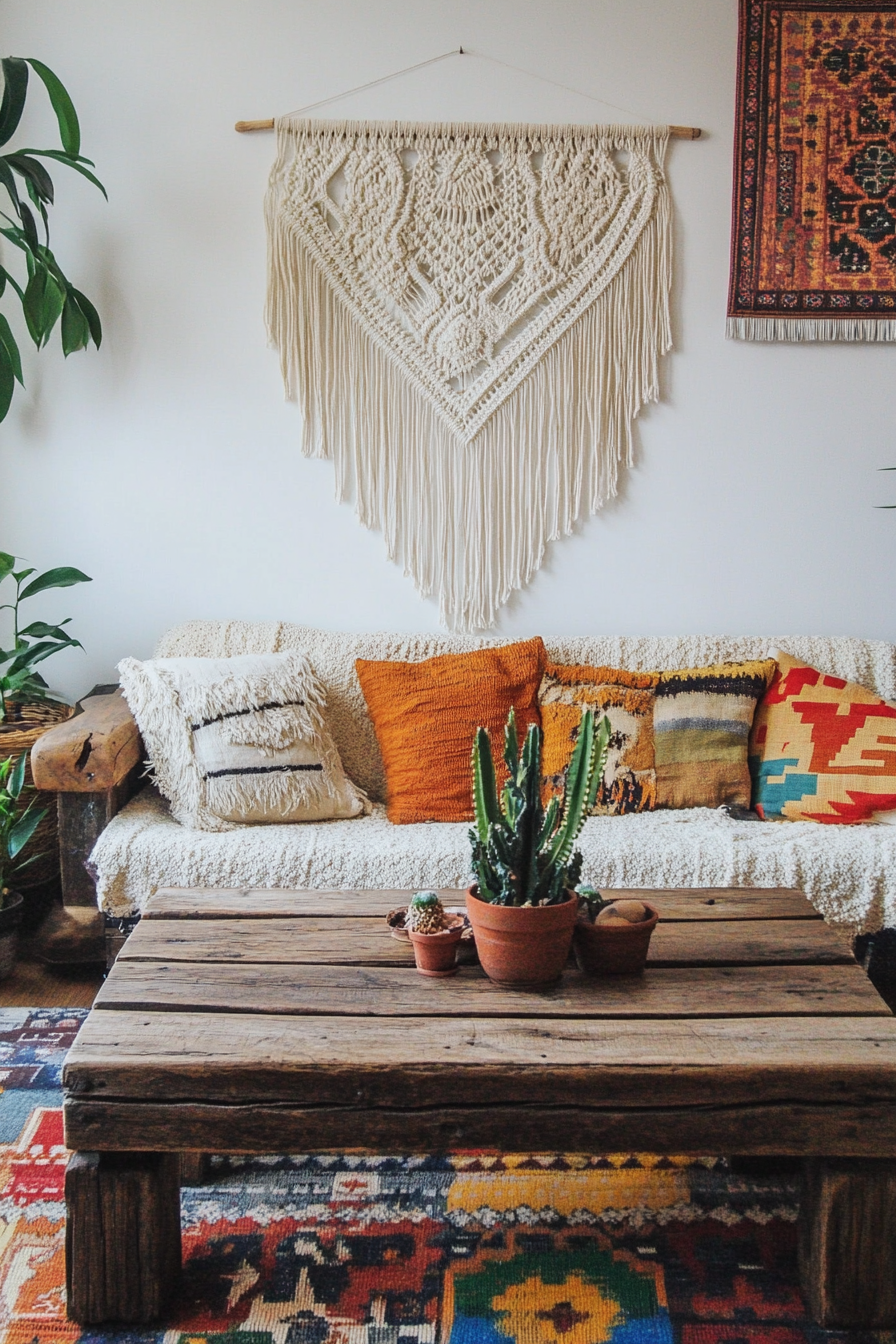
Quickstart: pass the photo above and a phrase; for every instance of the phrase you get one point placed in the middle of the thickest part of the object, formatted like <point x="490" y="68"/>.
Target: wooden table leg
<point x="122" y="1236"/>
<point x="848" y="1242"/>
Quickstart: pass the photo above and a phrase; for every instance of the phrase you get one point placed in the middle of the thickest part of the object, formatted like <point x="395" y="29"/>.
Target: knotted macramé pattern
<point x="470" y="317"/>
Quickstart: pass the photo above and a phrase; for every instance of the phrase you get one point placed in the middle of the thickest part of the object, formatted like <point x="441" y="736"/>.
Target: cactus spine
<point x="522" y="852"/>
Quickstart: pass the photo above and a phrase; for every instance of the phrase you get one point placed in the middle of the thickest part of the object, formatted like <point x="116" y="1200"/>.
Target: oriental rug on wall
<point x="470" y="317"/>
<point x="814" y="229"/>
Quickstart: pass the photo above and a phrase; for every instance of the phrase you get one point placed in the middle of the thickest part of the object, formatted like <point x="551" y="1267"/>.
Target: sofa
<point x="120" y="843"/>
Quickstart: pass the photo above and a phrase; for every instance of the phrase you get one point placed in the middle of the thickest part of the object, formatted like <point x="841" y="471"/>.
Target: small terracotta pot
<point x="436" y="953"/>
<point x="613" y="949"/>
<point x="519" y="946"/>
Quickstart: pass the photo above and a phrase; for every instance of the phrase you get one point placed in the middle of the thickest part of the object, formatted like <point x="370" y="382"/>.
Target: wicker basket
<point x="23" y="725"/>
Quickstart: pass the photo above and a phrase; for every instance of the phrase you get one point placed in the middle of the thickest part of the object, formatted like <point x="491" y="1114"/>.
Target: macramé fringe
<point x="470" y="521"/>
<point x="811" y="329"/>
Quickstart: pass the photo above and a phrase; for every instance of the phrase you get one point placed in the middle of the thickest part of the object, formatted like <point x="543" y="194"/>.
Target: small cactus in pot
<point x="434" y="934"/>
<point x="523" y="856"/>
<point x="426" y="913"/>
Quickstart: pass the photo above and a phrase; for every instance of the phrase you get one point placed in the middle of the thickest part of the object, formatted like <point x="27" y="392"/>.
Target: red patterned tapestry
<point x="814" y="231"/>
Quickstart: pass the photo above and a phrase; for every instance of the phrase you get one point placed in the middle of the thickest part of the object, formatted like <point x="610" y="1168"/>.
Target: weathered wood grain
<point x="377" y="1061"/>
<point x="122" y="1236"/>
<point x="848" y="1243"/>
<point x="794" y="1128"/>
<point x="344" y="941"/>
<point x="749" y="991"/>
<point x="697" y="903"/>
<point x="91" y="752"/>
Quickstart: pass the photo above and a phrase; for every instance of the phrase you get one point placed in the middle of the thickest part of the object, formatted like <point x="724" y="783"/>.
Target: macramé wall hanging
<point x="470" y="317"/>
<point x="814" y="231"/>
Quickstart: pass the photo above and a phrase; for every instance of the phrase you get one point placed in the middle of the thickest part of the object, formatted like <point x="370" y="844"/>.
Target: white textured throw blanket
<point x="848" y="872"/>
<point x="470" y="317"/>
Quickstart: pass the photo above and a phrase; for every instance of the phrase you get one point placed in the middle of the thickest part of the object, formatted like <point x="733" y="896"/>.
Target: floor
<point x="36" y="985"/>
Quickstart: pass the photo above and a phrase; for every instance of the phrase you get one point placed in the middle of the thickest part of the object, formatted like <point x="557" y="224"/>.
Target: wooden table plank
<point x="397" y="992"/>
<point x="344" y="1061"/>
<point x="280" y="903"/>
<point x="339" y="940"/>
<point x="789" y="1128"/>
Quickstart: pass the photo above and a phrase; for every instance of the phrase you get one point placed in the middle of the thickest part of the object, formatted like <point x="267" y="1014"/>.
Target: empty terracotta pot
<point x="436" y="953"/>
<point x="613" y="949"/>
<point x="519" y="946"/>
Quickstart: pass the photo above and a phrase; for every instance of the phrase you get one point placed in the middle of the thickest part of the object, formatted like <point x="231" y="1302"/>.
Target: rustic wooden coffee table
<point x="277" y="1021"/>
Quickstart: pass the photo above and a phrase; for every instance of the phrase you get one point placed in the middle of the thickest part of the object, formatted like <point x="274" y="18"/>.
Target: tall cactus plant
<point x="523" y="852"/>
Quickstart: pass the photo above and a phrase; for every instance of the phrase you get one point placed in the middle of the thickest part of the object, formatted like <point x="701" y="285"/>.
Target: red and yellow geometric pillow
<point x="822" y="749"/>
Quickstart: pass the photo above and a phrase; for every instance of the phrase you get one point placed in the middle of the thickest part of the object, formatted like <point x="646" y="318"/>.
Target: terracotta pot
<point x="436" y="953"/>
<point x="613" y="949"/>
<point x="10" y="919"/>
<point x="522" y="947"/>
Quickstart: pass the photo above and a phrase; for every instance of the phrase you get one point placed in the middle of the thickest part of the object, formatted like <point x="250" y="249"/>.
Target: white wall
<point x="167" y="466"/>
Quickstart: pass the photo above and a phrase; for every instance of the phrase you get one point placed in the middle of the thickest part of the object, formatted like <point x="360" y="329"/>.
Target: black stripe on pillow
<point x="260" y="770"/>
<point x="253" y="709"/>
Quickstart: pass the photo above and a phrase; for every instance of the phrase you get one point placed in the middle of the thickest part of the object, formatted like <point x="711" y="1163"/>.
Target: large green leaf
<point x="17" y="782"/>
<point x="79" y="165"/>
<point x="75" y="328"/>
<point x="44" y="301"/>
<point x="41" y="630"/>
<point x="93" y="317"/>
<point x="9" y="342"/>
<point x="7" y="381"/>
<point x="23" y="830"/>
<point x="7" y="564"/>
<point x="33" y="172"/>
<point x="36" y="653"/>
<point x="63" y="577"/>
<point x="15" y="87"/>
<point x="69" y="130"/>
<point x="29" y="228"/>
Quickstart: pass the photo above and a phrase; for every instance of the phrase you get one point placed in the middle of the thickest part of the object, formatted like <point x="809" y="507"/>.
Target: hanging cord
<point x="267" y="124"/>
<point x="567" y="88"/>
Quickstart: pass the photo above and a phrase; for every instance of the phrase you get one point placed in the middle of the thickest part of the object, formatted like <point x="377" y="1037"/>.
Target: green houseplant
<point x="46" y="295"/>
<point x="33" y="643"/>
<point x="17" y="826"/>
<point x="523" y="904"/>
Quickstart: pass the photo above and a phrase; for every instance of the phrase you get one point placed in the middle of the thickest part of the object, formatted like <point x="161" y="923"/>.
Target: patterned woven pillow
<point x="701" y="724"/>
<point x="239" y="740"/>
<point x="629" y="782"/>
<point x="822" y="749"/>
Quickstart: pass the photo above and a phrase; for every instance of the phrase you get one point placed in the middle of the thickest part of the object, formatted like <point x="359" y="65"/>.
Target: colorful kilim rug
<point x="814" y="230"/>
<point x="469" y="1249"/>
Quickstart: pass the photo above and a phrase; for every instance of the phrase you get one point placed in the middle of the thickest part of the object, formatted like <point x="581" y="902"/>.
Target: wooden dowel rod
<point x="267" y="124"/>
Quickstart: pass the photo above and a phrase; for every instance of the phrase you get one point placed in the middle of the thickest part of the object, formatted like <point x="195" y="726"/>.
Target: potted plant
<point x="612" y="937"/>
<point x="17" y="826"/>
<point x="434" y="934"/>
<point x="523" y="904"/>
<point x="27" y="706"/>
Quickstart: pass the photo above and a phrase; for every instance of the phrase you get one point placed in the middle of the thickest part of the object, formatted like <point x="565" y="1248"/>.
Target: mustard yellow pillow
<point x="627" y="698"/>
<point x="426" y="714"/>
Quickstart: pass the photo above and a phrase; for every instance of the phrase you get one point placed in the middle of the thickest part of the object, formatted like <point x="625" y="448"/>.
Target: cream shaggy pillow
<point x="239" y="740"/>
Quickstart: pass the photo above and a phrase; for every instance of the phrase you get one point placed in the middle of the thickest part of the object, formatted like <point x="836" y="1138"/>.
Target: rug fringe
<point x="811" y="329"/>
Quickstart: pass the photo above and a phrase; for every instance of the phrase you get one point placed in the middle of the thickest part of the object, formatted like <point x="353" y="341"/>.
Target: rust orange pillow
<point x="425" y="714"/>
<point x="822" y="749"/>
